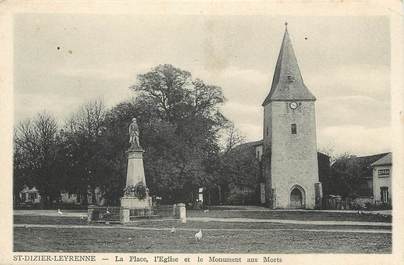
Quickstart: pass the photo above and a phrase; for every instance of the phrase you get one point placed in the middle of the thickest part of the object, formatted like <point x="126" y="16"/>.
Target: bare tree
<point x="35" y="154"/>
<point x="88" y="120"/>
<point x="232" y="137"/>
<point x="83" y="131"/>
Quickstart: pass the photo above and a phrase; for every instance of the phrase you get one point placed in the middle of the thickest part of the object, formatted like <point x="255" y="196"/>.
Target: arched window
<point x="297" y="197"/>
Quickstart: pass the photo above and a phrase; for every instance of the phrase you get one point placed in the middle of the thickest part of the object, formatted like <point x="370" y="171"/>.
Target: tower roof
<point x="287" y="83"/>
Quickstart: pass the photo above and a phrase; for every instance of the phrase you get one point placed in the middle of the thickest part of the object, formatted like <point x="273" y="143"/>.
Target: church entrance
<point x="297" y="197"/>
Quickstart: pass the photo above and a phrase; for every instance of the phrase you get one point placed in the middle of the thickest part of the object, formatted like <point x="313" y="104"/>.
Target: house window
<point x="293" y="128"/>
<point x="383" y="172"/>
<point x="384" y="194"/>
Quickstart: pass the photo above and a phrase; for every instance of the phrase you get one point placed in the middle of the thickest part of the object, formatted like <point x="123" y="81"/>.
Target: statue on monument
<point x="134" y="134"/>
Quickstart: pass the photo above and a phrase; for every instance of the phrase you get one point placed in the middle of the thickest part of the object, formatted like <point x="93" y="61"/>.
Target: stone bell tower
<point x="290" y="147"/>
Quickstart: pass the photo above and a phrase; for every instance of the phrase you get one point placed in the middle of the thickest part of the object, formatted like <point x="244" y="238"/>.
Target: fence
<point x="165" y="210"/>
<point x="339" y="203"/>
<point x="115" y="214"/>
<point x="103" y="214"/>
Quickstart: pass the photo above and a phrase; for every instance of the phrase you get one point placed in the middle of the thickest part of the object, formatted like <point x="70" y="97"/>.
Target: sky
<point x="62" y="61"/>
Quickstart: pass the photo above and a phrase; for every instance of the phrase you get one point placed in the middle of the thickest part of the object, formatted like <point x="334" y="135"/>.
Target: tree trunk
<point x="93" y="199"/>
<point x="219" y="188"/>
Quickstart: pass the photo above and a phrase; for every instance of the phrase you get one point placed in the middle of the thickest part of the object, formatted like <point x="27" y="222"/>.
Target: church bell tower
<point x="289" y="142"/>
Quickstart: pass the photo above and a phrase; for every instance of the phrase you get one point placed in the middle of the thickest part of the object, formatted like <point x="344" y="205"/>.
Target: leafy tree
<point x="179" y="121"/>
<point x="180" y="130"/>
<point x="239" y="167"/>
<point x="348" y="175"/>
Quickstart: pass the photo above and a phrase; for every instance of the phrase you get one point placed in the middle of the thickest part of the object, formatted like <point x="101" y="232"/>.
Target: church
<point x="288" y="151"/>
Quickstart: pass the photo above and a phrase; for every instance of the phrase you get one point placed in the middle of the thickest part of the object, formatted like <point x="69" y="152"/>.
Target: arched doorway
<point x="297" y="197"/>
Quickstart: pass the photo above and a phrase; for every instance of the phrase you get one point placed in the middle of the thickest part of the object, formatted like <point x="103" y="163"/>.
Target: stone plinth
<point x="135" y="170"/>
<point x="182" y="212"/>
<point x="124" y="215"/>
<point x="130" y="202"/>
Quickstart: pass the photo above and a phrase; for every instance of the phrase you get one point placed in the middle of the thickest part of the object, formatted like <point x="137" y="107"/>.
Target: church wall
<point x="267" y="129"/>
<point x="293" y="156"/>
<point x="266" y="160"/>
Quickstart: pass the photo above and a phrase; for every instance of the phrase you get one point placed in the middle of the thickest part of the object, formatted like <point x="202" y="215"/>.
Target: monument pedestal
<point x="135" y="170"/>
<point x="130" y="202"/>
<point x="136" y="201"/>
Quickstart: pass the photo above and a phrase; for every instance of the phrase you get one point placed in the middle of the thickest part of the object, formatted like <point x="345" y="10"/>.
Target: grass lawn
<point x="156" y="223"/>
<point x="217" y="241"/>
<point x="219" y="237"/>
<point x="291" y="215"/>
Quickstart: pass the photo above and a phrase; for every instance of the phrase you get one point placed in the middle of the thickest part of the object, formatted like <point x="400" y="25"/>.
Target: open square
<point x="232" y="231"/>
<point x="202" y="134"/>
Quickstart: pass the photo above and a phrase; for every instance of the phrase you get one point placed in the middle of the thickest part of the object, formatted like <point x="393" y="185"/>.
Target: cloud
<point x="357" y="140"/>
<point x="246" y="86"/>
<point x="251" y="132"/>
<point x="108" y="71"/>
<point x="345" y="66"/>
<point x="353" y="110"/>
<point x="350" y="80"/>
<point x="244" y="116"/>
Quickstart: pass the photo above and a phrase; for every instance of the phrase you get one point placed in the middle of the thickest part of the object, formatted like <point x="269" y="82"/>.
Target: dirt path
<point x="83" y="214"/>
<point x="68" y="213"/>
<point x="370" y="231"/>
<point x="263" y="209"/>
<point x="280" y="221"/>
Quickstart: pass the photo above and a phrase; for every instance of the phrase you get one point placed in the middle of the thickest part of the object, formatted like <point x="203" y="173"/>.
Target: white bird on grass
<point x="206" y="211"/>
<point x="60" y="212"/>
<point x="107" y="212"/>
<point x="198" y="236"/>
<point x="173" y="230"/>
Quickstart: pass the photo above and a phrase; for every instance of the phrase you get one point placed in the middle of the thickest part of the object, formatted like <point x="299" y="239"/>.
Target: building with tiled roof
<point x="382" y="172"/>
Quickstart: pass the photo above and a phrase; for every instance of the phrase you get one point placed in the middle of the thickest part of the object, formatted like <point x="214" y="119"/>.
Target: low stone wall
<point x="177" y="211"/>
<point x="126" y="215"/>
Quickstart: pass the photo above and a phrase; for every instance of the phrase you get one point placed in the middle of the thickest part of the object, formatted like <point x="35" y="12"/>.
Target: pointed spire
<point x="287" y="83"/>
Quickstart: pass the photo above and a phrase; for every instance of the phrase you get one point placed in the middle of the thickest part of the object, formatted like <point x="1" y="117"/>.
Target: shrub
<point x="241" y="198"/>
